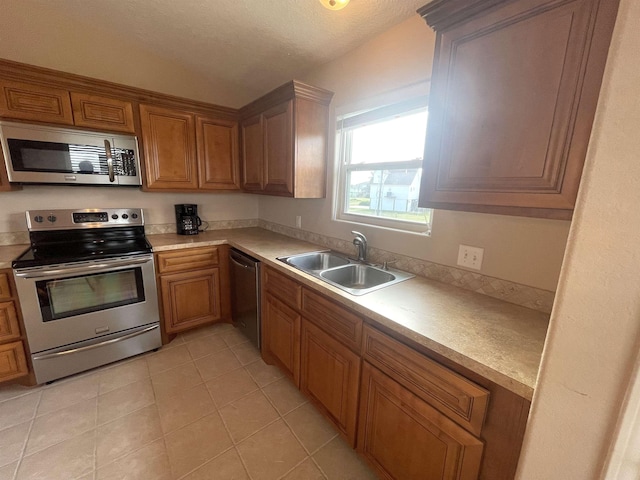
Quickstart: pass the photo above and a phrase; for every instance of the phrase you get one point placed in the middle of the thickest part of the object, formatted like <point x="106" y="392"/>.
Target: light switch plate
<point x="470" y="257"/>
<point x="298" y="221"/>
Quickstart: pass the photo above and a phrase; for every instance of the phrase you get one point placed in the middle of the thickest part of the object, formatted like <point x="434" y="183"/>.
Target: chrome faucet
<point x="361" y="243"/>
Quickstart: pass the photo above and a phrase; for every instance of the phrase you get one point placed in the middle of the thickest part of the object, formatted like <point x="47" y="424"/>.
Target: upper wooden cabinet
<point x="33" y="102"/>
<point x="186" y="151"/>
<point x="514" y="91"/>
<point x="284" y="142"/>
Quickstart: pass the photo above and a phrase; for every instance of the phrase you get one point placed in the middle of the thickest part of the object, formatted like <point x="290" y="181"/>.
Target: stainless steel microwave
<point x="52" y="155"/>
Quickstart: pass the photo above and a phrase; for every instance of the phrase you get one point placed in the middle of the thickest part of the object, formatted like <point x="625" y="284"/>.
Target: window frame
<point x="345" y="124"/>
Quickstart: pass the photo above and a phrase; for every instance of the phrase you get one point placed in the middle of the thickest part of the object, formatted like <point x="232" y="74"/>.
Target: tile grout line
<point x="24" y="447"/>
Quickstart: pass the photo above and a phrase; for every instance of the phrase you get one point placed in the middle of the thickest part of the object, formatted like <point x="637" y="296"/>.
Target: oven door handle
<point x="40" y="273"/>
<point x="96" y="345"/>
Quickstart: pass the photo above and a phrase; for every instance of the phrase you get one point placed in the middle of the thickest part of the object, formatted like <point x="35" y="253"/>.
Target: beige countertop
<point x="9" y="252"/>
<point x="498" y="340"/>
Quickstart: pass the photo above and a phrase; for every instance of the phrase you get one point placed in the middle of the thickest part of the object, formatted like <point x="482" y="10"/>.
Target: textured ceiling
<point x="254" y="44"/>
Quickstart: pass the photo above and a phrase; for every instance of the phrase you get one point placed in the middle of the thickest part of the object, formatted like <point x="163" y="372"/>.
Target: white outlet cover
<point x="470" y="257"/>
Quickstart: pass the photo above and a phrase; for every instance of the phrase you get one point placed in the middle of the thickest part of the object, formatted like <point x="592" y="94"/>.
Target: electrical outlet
<point x="298" y="221"/>
<point x="470" y="257"/>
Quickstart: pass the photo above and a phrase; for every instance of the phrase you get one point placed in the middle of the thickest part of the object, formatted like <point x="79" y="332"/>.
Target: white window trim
<point x="339" y="208"/>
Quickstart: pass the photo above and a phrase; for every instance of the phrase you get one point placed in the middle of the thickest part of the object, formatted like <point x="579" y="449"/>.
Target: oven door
<point x="74" y="302"/>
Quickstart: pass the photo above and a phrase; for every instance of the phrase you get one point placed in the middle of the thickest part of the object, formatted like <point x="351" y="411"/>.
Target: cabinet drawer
<point x="187" y="259"/>
<point x="27" y="101"/>
<point x="456" y="397"/>
<point x="9" y="327"/>
<point x="339" y="322"/>
<point x="100" y="112"/>
<point x="5" y="289"/>
<point x="287" y="290"/>
<point x="13" y="363"/>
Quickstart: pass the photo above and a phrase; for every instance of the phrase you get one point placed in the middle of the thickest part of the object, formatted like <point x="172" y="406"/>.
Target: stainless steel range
<point x="87" y="289"/>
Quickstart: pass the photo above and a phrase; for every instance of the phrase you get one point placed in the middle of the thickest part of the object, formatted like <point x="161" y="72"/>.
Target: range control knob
<point x="134" y="215"/>
<point x="125" y="216"/>
<point x="38" y="218"/>
<point x="52" y="218"/>
<point x="114" y="216"/>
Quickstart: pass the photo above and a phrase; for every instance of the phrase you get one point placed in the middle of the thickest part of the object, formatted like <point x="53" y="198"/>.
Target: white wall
<point x="595" y="325"/>
<point x="524" y="250"/>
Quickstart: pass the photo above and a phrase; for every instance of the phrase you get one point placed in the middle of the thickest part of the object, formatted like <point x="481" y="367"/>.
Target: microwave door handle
<point x="107" y="149"/>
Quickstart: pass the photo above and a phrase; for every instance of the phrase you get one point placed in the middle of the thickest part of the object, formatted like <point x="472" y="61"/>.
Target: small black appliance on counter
<point x="187" y="219"/>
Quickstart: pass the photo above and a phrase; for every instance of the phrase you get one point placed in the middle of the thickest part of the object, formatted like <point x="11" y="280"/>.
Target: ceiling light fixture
<point x="334" y="4"/>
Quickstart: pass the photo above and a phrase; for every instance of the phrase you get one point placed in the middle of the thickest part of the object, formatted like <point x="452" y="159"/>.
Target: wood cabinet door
<point x="281" y="337"/>
<point x="252" y="154"/>
<point x="513" y="97"/>
<point x="93" y="111"/>
<point x="13" y="362"/>
<point x="190" y="299"/>
<point x="27" y="101"/>
<point x="218" y="163"/>
<point x="330" y="376"/>
<point x="278" y="149"/>
<point x="169" y="148"/>
<point x="9" y="326"/>
<point x="404" y="438"/>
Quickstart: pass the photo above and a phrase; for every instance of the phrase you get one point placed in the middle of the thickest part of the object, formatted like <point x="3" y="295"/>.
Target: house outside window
<point x="381" y="166"/>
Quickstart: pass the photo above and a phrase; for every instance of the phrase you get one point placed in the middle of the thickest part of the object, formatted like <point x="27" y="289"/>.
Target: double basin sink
<point x="353" y="277"/>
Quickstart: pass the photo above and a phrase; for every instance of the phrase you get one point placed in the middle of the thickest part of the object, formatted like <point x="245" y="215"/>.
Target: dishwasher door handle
<point x="240" y="264"/>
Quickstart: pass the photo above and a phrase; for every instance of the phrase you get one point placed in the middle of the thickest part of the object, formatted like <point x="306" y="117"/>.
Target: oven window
<point x="66" y="297"/>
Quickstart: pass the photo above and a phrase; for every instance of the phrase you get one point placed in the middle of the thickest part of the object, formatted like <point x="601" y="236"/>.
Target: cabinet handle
<point x="107" y="149"/>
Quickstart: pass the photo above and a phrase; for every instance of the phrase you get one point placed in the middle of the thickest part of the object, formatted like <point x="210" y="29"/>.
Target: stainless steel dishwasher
<point x="245" y="294"/>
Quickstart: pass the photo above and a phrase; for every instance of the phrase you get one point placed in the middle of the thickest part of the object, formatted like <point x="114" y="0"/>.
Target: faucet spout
<point x="360" y="241"/>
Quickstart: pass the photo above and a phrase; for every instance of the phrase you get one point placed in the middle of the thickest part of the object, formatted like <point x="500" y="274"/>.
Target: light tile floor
<point x="204" y="407"/>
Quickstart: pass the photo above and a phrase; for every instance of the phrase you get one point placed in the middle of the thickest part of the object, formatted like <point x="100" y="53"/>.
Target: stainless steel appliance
<point x="187" y="219"/>
<point x="245" y="288"/>
<point x="87" y="289"/>
<point x="37" y="154"/>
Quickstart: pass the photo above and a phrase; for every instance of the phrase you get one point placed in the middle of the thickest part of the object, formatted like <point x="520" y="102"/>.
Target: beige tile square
<point x="61" y="425"/>
<point x="307" y="470"/>
<point x="217" y="364"/>
<point x="271" y="452"/>
<point x="187" y="449"/>
<point x="12" y="441"/>
<point x="203" y="346"/>
<point x="151" y="462"/>
<point x="67" y="460"/>
<point x="126" y="434"/>
<point x="311" y="428"/>
<point x="124" y="400"/>
<point x="227" y="466"/>
<point x="231" y="386"/>
<point x="68" y="392"/>
<point x="18" y="410"/>
<point x="248" y="415"/>
<point x="8" y="471"/>
<point x="338" y="461"/>
<point x="7" y="392"/>
<point x="264" y="374"/>
<point x="246" y="353"/>
<point x="200" y="332"/>
<point x="234" y="337"/>
<point x="184" y="407"/>
<point x="175" y="380"/>
<point x="124" y="374"/>
<point x="167" y="358"/>
<point x="284" y="395"/>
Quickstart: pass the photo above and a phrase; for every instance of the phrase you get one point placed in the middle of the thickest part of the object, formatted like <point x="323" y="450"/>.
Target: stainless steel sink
<point x="344" y="273"/>
<point x="316" y="261"/>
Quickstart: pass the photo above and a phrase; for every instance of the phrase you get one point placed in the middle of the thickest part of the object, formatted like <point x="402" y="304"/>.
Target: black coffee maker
<point x="187" y="219"/>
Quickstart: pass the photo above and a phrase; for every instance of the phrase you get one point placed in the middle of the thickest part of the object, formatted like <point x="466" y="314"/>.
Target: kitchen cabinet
<point x="13" y="356"/>
<point x="284" y="142"/>
<point x="404" y="438"/>
<point x="193" y="287"/>
<point x="42" y="103"/>
<point x="185" y="151"/>
<point x="513" y="95"/>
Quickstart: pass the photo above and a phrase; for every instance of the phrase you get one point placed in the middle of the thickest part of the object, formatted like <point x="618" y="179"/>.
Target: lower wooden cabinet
<point x="404" y="438"/>
<point x="193" y="287"/>
<point x="13" y="361"/>
<point x="13" y="348"/>
<point x="281" y="336"/>
<point x="330" y="374"/>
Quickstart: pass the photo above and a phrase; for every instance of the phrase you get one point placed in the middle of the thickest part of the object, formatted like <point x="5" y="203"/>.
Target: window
<point x="381" y="166"/>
